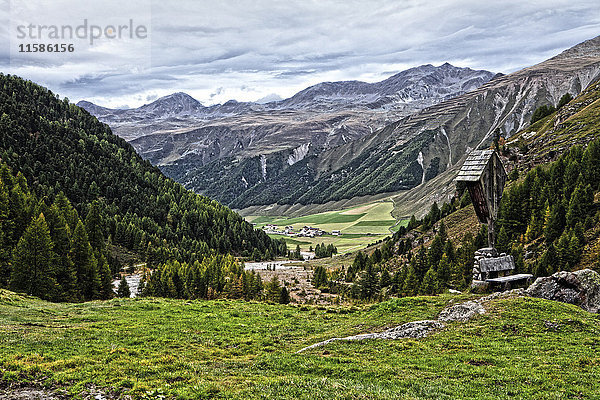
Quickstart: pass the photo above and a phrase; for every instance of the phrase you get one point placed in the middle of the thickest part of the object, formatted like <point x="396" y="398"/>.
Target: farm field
<point x="359" y="226"/>
<point x="158" y="348"/>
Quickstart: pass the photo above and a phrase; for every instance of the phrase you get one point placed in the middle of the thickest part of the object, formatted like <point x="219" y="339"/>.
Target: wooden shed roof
<point x="474" y="165"/>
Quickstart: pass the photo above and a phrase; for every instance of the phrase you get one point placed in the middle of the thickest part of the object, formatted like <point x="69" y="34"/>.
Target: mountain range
<point x="341" y="140"/>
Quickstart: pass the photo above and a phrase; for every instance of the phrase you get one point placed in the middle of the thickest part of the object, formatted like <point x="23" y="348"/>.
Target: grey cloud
<point x="264" y="47"/>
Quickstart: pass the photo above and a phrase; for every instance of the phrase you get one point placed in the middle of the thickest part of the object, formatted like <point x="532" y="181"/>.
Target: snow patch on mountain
<point x="420" y="161"/>
<point x="298" y="154"/>
<point x="263" y="166"/>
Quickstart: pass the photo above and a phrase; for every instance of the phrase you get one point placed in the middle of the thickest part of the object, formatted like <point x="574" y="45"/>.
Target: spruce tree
<point x="66" y="274"/>
<point x="430" y="284"/>
<point x="368" y="282"/>
<point x="86" y="264"/>
<point x="18" y="213"/>
<point x="444" y="271"/>
<point x="434" y="254"/>
<point x="106" y="288"/>
<point x="284" y="296"/>
<point x="554" y="222"/>
<point x="411" y="283"/>
<point x="123" y="289"/>
<point x="273" y="290"/>
<point x="93" y="227"/>
<point x="33" y="270"/>
<point x="385" y="280"/>
<point x="581" y="201"/>
<point x="66" y="210"/>
<point x="319" y="276"/>
<point x="503" y="241"/>
<point x="564" y="100"/>
<point x="4" y="236"/>
<point x="297" y="254"/>
<point x="257" y="287"/>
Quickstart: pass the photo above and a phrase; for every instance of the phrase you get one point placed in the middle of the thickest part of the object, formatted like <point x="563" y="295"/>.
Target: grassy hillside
<point x="523" y="348"/>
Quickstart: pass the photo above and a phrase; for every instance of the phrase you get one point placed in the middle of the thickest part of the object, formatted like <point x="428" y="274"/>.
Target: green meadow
<point x="360" y="226"/>
<point x="158" y="348"/>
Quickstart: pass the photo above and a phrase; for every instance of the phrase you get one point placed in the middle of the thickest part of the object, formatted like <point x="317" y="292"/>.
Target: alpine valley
<point x="403" y="137"/>
<point x="353" y="267"/>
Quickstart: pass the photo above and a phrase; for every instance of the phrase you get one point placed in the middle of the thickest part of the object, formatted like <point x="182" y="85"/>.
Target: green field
<point x="147" y="348"/>
<point x="360" y="226"/>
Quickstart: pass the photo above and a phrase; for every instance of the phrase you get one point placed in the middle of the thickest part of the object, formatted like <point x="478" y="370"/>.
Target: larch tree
<point x="33" y="268"/>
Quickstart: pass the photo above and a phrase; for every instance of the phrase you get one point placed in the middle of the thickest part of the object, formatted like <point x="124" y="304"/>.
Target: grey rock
<point x="461" y="312"/>
<point x="581" y="288"/>
<point x="414" y="330"/>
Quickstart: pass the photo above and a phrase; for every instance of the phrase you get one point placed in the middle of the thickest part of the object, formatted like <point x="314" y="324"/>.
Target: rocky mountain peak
<point x="176" y="103"/>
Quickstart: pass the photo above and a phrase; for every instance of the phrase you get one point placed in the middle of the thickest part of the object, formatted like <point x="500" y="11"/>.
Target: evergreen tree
<point x="554" y="222"/>
<point x="411" y="283"/>
<point x="385" y="280"/>
<point x="503" y="241"/>
<point x="421" y="264"/>
<point x="123" y="289"/>
<point x="256" y="256"/>
<point x="444" y="271"/>
<point x="591" y="164"/>
<point x="564" y="100"/>
<point x="297" y="254"/>
<point x="434" y="255"/>
<point x="93" y="227"/>
<point x="449" y="251"/>
<point x="284" y="296"/>
<point x="581" y="202"/>
<point x="5" y="231"/>
<point x="430" y="284"/>
<point x="33" y="270"/>
<point x="106" y="288"/>
<point x="368" y="282"/>
<point x="66" y="274"/>
<point x="319" y="277"/>
<point x="257" y="287"/>
<point x="86" y="264"/>
<point x="273" y="290"/>
<point x="66" y="210"/>
<point x="542" y="112"/>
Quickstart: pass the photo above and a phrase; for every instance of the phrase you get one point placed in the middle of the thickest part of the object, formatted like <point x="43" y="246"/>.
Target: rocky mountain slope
<point x="286" y="156"/>
<point x="179" y="132"/>
<point x="429" y="145"/>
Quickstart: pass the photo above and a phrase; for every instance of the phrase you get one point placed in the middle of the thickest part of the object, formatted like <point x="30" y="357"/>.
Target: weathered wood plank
<point x="497" y="264"/>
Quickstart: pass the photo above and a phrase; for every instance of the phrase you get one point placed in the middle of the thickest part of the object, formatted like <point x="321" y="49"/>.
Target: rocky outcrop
<point x="581" y="288"/>
<point x="462" y="312"/>
<point x="413" y="330"/>
<point x="418" y="329"/>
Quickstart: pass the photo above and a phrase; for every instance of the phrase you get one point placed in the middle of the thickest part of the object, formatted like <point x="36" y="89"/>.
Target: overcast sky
<point x="248" y="50"/>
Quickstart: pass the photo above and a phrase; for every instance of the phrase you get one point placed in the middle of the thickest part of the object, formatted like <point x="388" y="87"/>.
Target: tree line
<point x="62" y="152"/>
<point x="550" y="209"/>
<point x="46" y="249"/>
<point x="218" y="276"/>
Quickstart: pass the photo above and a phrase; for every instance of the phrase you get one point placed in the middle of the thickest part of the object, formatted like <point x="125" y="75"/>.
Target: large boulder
<point x="581" y="288"/>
